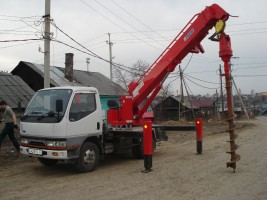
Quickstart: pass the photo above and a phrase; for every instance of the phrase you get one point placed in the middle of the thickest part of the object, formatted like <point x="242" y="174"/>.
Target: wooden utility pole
<point x="47" y="45"/>
<point x="110" y="56"/>
<point x="182" y="92"/>
<point x="240" y="99"/>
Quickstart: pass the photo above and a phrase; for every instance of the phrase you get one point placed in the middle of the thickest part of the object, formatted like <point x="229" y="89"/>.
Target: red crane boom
<point x="142" y="92"/>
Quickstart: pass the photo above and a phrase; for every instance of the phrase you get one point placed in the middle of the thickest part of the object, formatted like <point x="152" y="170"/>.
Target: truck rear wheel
<point x="89" y="157"/>
<point x="48" y="162"/>
<point x="138" y="150"/>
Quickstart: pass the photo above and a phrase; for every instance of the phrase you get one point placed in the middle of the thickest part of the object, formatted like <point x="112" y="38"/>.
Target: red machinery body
<point x="142" y="92"/>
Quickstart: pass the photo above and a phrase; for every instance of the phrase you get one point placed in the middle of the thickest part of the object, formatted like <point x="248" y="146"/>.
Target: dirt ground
<point x="178" y="173"/>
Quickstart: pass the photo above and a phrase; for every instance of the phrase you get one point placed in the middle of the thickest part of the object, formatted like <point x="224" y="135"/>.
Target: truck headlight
<point x="24" y="141"/>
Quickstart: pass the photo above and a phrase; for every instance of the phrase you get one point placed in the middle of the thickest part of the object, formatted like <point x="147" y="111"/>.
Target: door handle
<point x="98" y="125"/>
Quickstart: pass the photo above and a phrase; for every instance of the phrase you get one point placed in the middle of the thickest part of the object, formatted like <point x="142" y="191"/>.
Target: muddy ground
<point x="178" y="173"/>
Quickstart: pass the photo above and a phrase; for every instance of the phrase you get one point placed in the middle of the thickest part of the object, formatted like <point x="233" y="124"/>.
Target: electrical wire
<point x="137" y="19"/>
<point x="201" y="80"/>
<point x="122" y="67"/>
<point x="255" y="75"/>
<point x="115" y="23"/>
<point x="199" y="84"/>
<point x="22" y="40"/>
<point x="188" y="62"/>
<point x="127" y="22"/>
<point x="16" y="45"/>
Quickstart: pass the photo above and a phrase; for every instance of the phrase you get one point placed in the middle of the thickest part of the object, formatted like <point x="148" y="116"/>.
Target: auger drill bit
<point x="226" y="54"/>
<point x="233" y="147"/>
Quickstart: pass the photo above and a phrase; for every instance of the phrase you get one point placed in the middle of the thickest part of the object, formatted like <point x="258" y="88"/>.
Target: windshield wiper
<point x="30" y="114"/>
<point x="47" y="114"/>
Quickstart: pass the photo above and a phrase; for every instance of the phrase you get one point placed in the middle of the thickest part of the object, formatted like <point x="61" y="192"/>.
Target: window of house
<point x="83" y="104"/>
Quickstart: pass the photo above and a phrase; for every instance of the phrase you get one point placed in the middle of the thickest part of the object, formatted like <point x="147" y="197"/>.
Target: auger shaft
<point x="226" y="54"/>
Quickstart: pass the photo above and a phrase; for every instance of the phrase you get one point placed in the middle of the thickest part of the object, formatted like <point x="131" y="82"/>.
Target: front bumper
<point x="44" y="153"/>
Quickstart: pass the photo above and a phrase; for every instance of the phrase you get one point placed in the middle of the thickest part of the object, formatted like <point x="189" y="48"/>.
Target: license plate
<point x="35" y="151"/>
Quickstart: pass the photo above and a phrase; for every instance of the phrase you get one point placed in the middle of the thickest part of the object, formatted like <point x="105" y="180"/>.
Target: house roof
<point x="81" y="78"/>
<point x="196" y="103"/>
<point x="13" y="90"/>
<point x="95" y="79"/>
<point x="186" y="102"/>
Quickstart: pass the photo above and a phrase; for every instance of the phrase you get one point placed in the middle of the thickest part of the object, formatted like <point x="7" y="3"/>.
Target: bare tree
<point x="125" y="77"/>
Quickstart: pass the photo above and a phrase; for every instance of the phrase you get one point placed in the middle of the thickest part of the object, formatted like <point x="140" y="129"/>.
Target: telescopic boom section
<point x="142" y="92"/>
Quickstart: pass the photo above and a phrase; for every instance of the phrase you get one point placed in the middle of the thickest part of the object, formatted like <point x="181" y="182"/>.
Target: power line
<point x="241" y="24"/>
<point x="199" y="84"/>
<point x="115" y="23"/>
<point x="91" y="52"/>
<point x="136" y="18"/>
<point x="127" y="22"/>
<point x="95" y="55"/>
<point x="120" y="66"/>
<point x="16" y="45"/>
<point x="22" y="40"/>
<point x="201" y="80"/>
<point x="255" y="75"/>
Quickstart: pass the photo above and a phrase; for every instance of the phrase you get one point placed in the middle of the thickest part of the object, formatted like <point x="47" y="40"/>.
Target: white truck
<point x="65" y="123"/>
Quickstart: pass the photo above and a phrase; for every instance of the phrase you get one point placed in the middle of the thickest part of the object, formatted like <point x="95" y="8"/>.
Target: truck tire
<point x="89" y="157"/>
<point x="48" y="162"/>
<point x="138" y="150"/>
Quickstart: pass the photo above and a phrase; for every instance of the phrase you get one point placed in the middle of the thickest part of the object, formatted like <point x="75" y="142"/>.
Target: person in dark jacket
<point x="9" y="118"/>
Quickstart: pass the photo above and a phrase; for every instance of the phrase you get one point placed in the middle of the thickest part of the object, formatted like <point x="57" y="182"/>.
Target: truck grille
<point x="35" y="143"/>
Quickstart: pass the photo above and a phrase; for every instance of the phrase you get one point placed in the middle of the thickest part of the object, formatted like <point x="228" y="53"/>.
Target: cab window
<point x="83" y="104"/>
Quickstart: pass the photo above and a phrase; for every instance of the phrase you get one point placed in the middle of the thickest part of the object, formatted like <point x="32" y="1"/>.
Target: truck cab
<point x="59" y="121"/>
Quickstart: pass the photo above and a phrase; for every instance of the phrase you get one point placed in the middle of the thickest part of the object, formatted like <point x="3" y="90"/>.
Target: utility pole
<point x="88" y="62"/>
<point x="217" y="109"/>
<point x="240" y="99"/>
<point x="182" y="93"/>
<point x="47" y="45"/>
<point x="110" y="56"/>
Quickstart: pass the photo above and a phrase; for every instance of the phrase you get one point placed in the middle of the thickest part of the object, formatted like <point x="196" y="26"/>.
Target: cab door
<point x="84" y="116"/>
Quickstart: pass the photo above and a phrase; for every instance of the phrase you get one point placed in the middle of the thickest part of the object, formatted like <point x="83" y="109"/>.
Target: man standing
<point x="9" y="118"/>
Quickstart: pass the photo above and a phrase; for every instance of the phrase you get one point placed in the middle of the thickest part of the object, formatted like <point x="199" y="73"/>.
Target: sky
<point x="139" y="30"/>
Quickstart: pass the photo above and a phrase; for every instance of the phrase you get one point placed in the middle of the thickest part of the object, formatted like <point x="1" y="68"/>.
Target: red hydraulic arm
<point x="142" y="92"/>
<point x="187" y="41"/>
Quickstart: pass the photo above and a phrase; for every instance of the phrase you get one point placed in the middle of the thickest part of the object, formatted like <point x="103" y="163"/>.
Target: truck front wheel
<point x="89" y="157"/>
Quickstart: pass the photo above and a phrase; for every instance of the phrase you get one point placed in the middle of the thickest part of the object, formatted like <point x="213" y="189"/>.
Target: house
<point x="205" y="107"/>
<point x="173" y="108"/>
<point x="33" y="75"/>
<point x="14" y="90"/>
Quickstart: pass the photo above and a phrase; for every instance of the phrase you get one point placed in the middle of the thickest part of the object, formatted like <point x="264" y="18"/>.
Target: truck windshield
<point x="43" y="105"/>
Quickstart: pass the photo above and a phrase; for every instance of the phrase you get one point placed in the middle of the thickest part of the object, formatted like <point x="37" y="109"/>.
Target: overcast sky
<point x="139" y="30"/>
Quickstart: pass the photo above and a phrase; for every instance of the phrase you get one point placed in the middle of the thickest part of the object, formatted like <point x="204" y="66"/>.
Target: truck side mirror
<point x="59" y="105"/>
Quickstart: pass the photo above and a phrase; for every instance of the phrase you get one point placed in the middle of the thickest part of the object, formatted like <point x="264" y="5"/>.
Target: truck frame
<point x="65" y="123"/>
